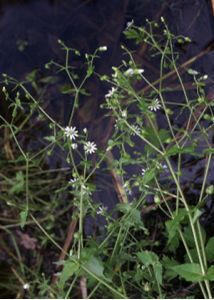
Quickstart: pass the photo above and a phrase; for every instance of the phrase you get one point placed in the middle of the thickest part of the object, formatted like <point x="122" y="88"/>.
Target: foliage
<point x="142" y="250"/>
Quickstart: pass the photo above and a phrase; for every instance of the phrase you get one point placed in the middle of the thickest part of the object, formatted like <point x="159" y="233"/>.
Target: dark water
<point x="29" y="31"/>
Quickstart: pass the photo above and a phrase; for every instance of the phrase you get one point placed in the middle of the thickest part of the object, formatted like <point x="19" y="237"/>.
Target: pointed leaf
<point x="210" y="249"/>
<point x="69" y="269"/>
<point x="190" y="272"/>
<point x="210" y="274"/>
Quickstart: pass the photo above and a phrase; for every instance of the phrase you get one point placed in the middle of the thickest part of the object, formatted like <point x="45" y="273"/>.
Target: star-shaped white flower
<point x="71" y="132"/>
<point x="101" y="210"/>
<point x="90" y="147"/>
<point x="155" y="105"/>
<point x="110" y="92"/>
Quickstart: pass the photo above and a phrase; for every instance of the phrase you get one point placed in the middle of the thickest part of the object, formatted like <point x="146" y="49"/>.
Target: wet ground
<point x="29" y="31"/>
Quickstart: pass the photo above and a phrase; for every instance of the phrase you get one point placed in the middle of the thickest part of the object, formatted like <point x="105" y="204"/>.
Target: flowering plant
<point x="132" y="248"/>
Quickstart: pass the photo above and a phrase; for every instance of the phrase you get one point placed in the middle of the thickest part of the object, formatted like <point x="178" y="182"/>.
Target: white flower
<point x="101" y="210"/>
<point x="116" y="124"/>
<point x="127" y="188"/>
<point x="143" y="171"/>
<point x="26" y="286"/>
<point x="110" y="92"/>
<point x="90" y="147"/>
<point x="86" y="190"/>
<point x="129" y="24"/>
<point x="140" y="71"/>
<point x="103" y="48"/>
<point x="124" y="114"/>
<point x="72" y="180"/>
<point x="71" y="132"/>
<point x="129" y="72"/>
<point x="74" y="146"/>
<point x="155" y="105"/>
<point x="135" y="130"/>
<point x="85" y="130"/>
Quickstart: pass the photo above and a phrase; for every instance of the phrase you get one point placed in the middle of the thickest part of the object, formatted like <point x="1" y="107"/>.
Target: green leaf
<point x="194" y="254"/>
<point x="210" y="249"/>
<point x="210" y="190"/>
<point x="190" y="272"/>
<point x="69" y="269"/>
<point x="23" y="217"/>
<point x="90" y="70"/>
<point x="163" y="135"/>
<point x="175" y="150"/>
<point x="19" y="184"/>
<point x="148" y="257"/>
<point x="208" y="151"/>
<point x="148" y="176"/>
<point x="210" y="274"/>
<point x="49" y="79"/>
<point x="187" y="232"/>
<point x="172" y="226"/>
<point x="95" y="266"/>
<point x="196" y="215"/>
<point x="167" y="262"/>
<point x="158" y="270"/>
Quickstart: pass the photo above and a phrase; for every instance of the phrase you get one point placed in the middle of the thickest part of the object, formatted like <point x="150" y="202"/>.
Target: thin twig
<point x="67" y="243"/>
<point x="83" y="288"/>
<point x="116" y="179"/>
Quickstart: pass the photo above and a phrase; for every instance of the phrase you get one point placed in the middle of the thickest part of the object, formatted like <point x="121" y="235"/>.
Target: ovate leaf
<point x="95" y="266"/>
<point x="210" y="274"/>
<point x="147" y="257"/>
<point x="69" y="269"/>
<point x="210" y="249"/>
<point x="190" y="272"/>
<point x="172" y="226"/>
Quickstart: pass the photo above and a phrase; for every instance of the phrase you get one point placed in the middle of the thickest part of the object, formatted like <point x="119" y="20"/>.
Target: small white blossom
<point x="129" y="24"/>
<point x="26" y="286"/>
<point x="74" y="146"/>
<point x="127" y="188"/>
<point x="85" y="130"/>
<point x="72" y="180"/>
<point x="143" y="171"/>
<point x="90" y="147"/>
<point x="140" y="71"/>
<point x="86" y="190"/>
<point x="102" y="48"/>
<point x="192" y="72"/>
<point x="124" y="113"/>
<point x="101" y="210"/>
<point x="71" y="132"/>
<point x="155" y="105"/>
<point x="135" y="130"/>
<point x="110" y="92"/>
<point x="116" y="124"/>
<point x="129" y="72"/>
